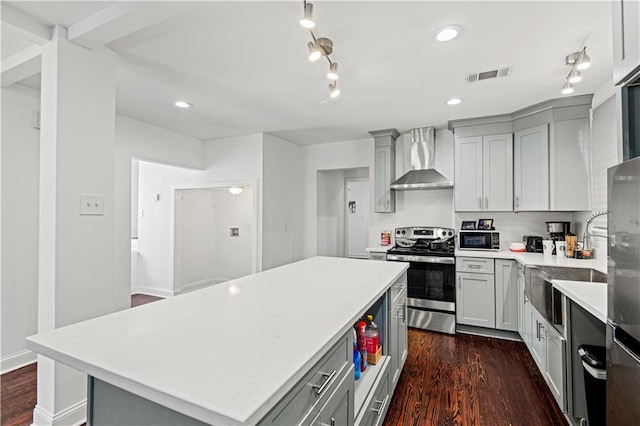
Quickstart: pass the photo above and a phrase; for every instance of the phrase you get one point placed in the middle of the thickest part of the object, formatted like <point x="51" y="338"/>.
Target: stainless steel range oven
<point x="431" y="287"/>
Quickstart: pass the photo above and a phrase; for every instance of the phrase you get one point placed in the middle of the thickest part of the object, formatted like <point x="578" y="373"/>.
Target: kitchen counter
<point x="378" y="249"/>
<point x="228" y="353"/>
<point x="537" y="259"/>
<point x="590" y="296"/>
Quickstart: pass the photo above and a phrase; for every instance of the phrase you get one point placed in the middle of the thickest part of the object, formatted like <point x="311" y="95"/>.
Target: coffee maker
<point x="557" y="232"/>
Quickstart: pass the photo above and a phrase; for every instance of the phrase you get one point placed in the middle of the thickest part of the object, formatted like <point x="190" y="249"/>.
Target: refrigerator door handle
<point x="629" y="351"/>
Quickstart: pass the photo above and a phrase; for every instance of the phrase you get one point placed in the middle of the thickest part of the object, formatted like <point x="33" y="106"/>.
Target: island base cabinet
<point x="375" y="407"/>
<point x="110" y="405"/>
<point x="303" y="402"/>
<point x="338" y="410"/>
<point x="398" y="338"/>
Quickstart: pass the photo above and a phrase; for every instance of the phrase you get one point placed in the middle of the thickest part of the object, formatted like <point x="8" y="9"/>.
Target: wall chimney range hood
<point x="423" y="174"/>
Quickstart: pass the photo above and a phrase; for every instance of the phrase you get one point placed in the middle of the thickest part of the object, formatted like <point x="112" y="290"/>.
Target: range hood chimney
<point x="423" y="174"/>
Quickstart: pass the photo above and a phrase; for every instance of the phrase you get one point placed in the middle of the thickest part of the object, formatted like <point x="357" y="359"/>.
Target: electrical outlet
<point x="91" y="205"/>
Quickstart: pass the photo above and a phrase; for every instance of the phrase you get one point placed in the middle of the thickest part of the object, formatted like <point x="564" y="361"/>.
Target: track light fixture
<point x="578" y="61"/>
<point x="319" y="47"/>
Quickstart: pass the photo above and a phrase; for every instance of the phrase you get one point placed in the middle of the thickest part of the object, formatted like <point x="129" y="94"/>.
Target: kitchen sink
<point x="574" y="274"/>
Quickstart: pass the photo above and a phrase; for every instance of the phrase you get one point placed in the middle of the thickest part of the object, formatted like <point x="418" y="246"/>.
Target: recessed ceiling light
<point x="183" y="104"/>
<point x="454" y="101"/>
<point x="447" y="33"/>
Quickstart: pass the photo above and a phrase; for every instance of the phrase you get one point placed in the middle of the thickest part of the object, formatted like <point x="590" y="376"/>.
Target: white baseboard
<point x="152" y="291"/>
<point x="195" y="285"/>
<point x="17" y="360"/>
<point x="71" y="416"/>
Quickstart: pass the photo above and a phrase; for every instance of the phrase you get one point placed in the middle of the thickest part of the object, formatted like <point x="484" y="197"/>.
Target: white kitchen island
<point x="237" y="352"/>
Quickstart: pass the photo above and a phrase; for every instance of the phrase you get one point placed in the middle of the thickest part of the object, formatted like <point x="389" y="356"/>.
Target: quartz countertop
<point x="228" y="353"/>
<point x="537" y="259"/>
<point x="379" y="249"/>
<point x="590" y="296"/>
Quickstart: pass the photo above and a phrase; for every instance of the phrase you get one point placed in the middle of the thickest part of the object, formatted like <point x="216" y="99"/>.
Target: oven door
<point x="431" y="286"/>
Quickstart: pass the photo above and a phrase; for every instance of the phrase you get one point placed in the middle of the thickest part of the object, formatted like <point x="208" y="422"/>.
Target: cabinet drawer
<point x="338" y="410"/>
<point x="398" y="287"/>
<point x="478" y="265"/>
<point x="376" y="405"/>
<point x="315" y="387"/>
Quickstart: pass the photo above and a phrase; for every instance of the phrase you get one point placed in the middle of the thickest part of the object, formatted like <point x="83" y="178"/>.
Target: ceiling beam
<point x="25" y="25"/>
<point x="119" y="20"/>
<point x="21" y="65"/>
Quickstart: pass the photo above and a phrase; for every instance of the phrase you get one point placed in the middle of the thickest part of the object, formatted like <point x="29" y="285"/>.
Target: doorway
<point x="332" y="210"/>
<point x="357" y="217"/>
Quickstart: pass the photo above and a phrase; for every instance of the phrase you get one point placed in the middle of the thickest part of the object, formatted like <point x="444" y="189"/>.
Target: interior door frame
<point x="346" y="213"/>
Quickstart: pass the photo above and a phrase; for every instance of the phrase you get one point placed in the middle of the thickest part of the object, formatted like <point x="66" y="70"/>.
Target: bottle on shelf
<point x="371" y="335"/>
<point x="356" y="361"/>
<point x="362" y="344"/>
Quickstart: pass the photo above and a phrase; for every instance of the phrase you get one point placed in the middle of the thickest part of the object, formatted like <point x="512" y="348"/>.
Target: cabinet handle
<point x="486" y="203"/>
<point x="459" y="286"/>
<point x="333" y="423"/>
<point x="382" y="403"/>
<point x="322" y="387"/>
<point x="474" y="266"/>
<point x="400" y="313"/>
<point x="480" y="203"/>
<point x="517" y="203"/>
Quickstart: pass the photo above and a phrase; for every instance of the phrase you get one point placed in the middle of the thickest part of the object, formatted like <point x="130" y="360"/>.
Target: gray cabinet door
<point x="531" y="169"/>
<point x="570" y="165"/>
<point x="397" y="337"/>
<point x="506" y="294"/>
<point x="537" y="348"/>
<point x="385" y="174"/>
<point x="555" y="371"/>
<point x="475" y="300"/>
<point x="626" y="39"/>
<point x="468" y="174"/>
<point x="497" y="173"/>
<point x="338" y="410"/>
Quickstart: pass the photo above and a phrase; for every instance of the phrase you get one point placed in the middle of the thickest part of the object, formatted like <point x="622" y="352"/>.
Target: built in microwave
<point x="478" y="240"/>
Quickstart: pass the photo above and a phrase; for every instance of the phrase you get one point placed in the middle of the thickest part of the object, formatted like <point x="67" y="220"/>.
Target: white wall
<point x="194" y="238"/>
<point x="19" y="262"/>
<point x="232" y="255"/>
<point x="330" y="216"/>
<point x="155" y="250"/>
<point x="281" y="202"/>
<point x="236" y="158"/>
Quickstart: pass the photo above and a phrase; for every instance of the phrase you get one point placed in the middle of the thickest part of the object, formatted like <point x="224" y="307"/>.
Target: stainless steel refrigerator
<point x="623" y="325"/>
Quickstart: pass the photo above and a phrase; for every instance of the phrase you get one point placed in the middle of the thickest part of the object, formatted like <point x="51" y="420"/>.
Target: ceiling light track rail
<point x="578" y="61"/>
<point x="320" y="47"/>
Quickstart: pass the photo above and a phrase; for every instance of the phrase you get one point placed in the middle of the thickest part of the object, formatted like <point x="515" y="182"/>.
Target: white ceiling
<point x="244" y="67"/>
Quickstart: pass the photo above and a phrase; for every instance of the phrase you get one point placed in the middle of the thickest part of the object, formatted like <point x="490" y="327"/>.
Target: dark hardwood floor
<point x="18" y="387"/>
<point x="470" y="380"/>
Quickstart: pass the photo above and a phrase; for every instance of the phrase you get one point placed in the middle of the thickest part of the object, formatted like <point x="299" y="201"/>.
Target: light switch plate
<point x="91" y="204"/>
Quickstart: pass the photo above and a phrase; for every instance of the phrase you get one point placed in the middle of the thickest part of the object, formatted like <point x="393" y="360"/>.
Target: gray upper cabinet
<point x="626" y="39"/>
<point x="570" y="160"/>
<point x="483" y="173"/>
<point x="531" y="169"/>
<point x="545" y="167"/>
<point x="385" y="169"/>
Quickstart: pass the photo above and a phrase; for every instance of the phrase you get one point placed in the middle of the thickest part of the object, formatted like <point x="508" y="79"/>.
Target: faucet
<point x="587" y="235"/>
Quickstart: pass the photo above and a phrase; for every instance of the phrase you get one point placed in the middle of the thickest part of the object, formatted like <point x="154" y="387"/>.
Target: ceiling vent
<point x="488" y="75"/>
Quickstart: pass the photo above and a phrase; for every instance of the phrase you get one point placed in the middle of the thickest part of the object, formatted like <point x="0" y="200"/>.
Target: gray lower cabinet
<point x="338" y="410"/>
<point x="506" y="280"/>
<point x="376" y="405"/>
<point x="398" y="335"/>
<point x="475" y="300"/>
<point x="555" y="368"/>
<point x="310" y="394"/>
<point x="524" y="310"/>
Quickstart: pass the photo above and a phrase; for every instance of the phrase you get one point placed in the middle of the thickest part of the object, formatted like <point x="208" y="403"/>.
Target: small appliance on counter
<point x="532" y="243"/>
<point x="478" y="240"/>
<point x="557" y="232"/>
